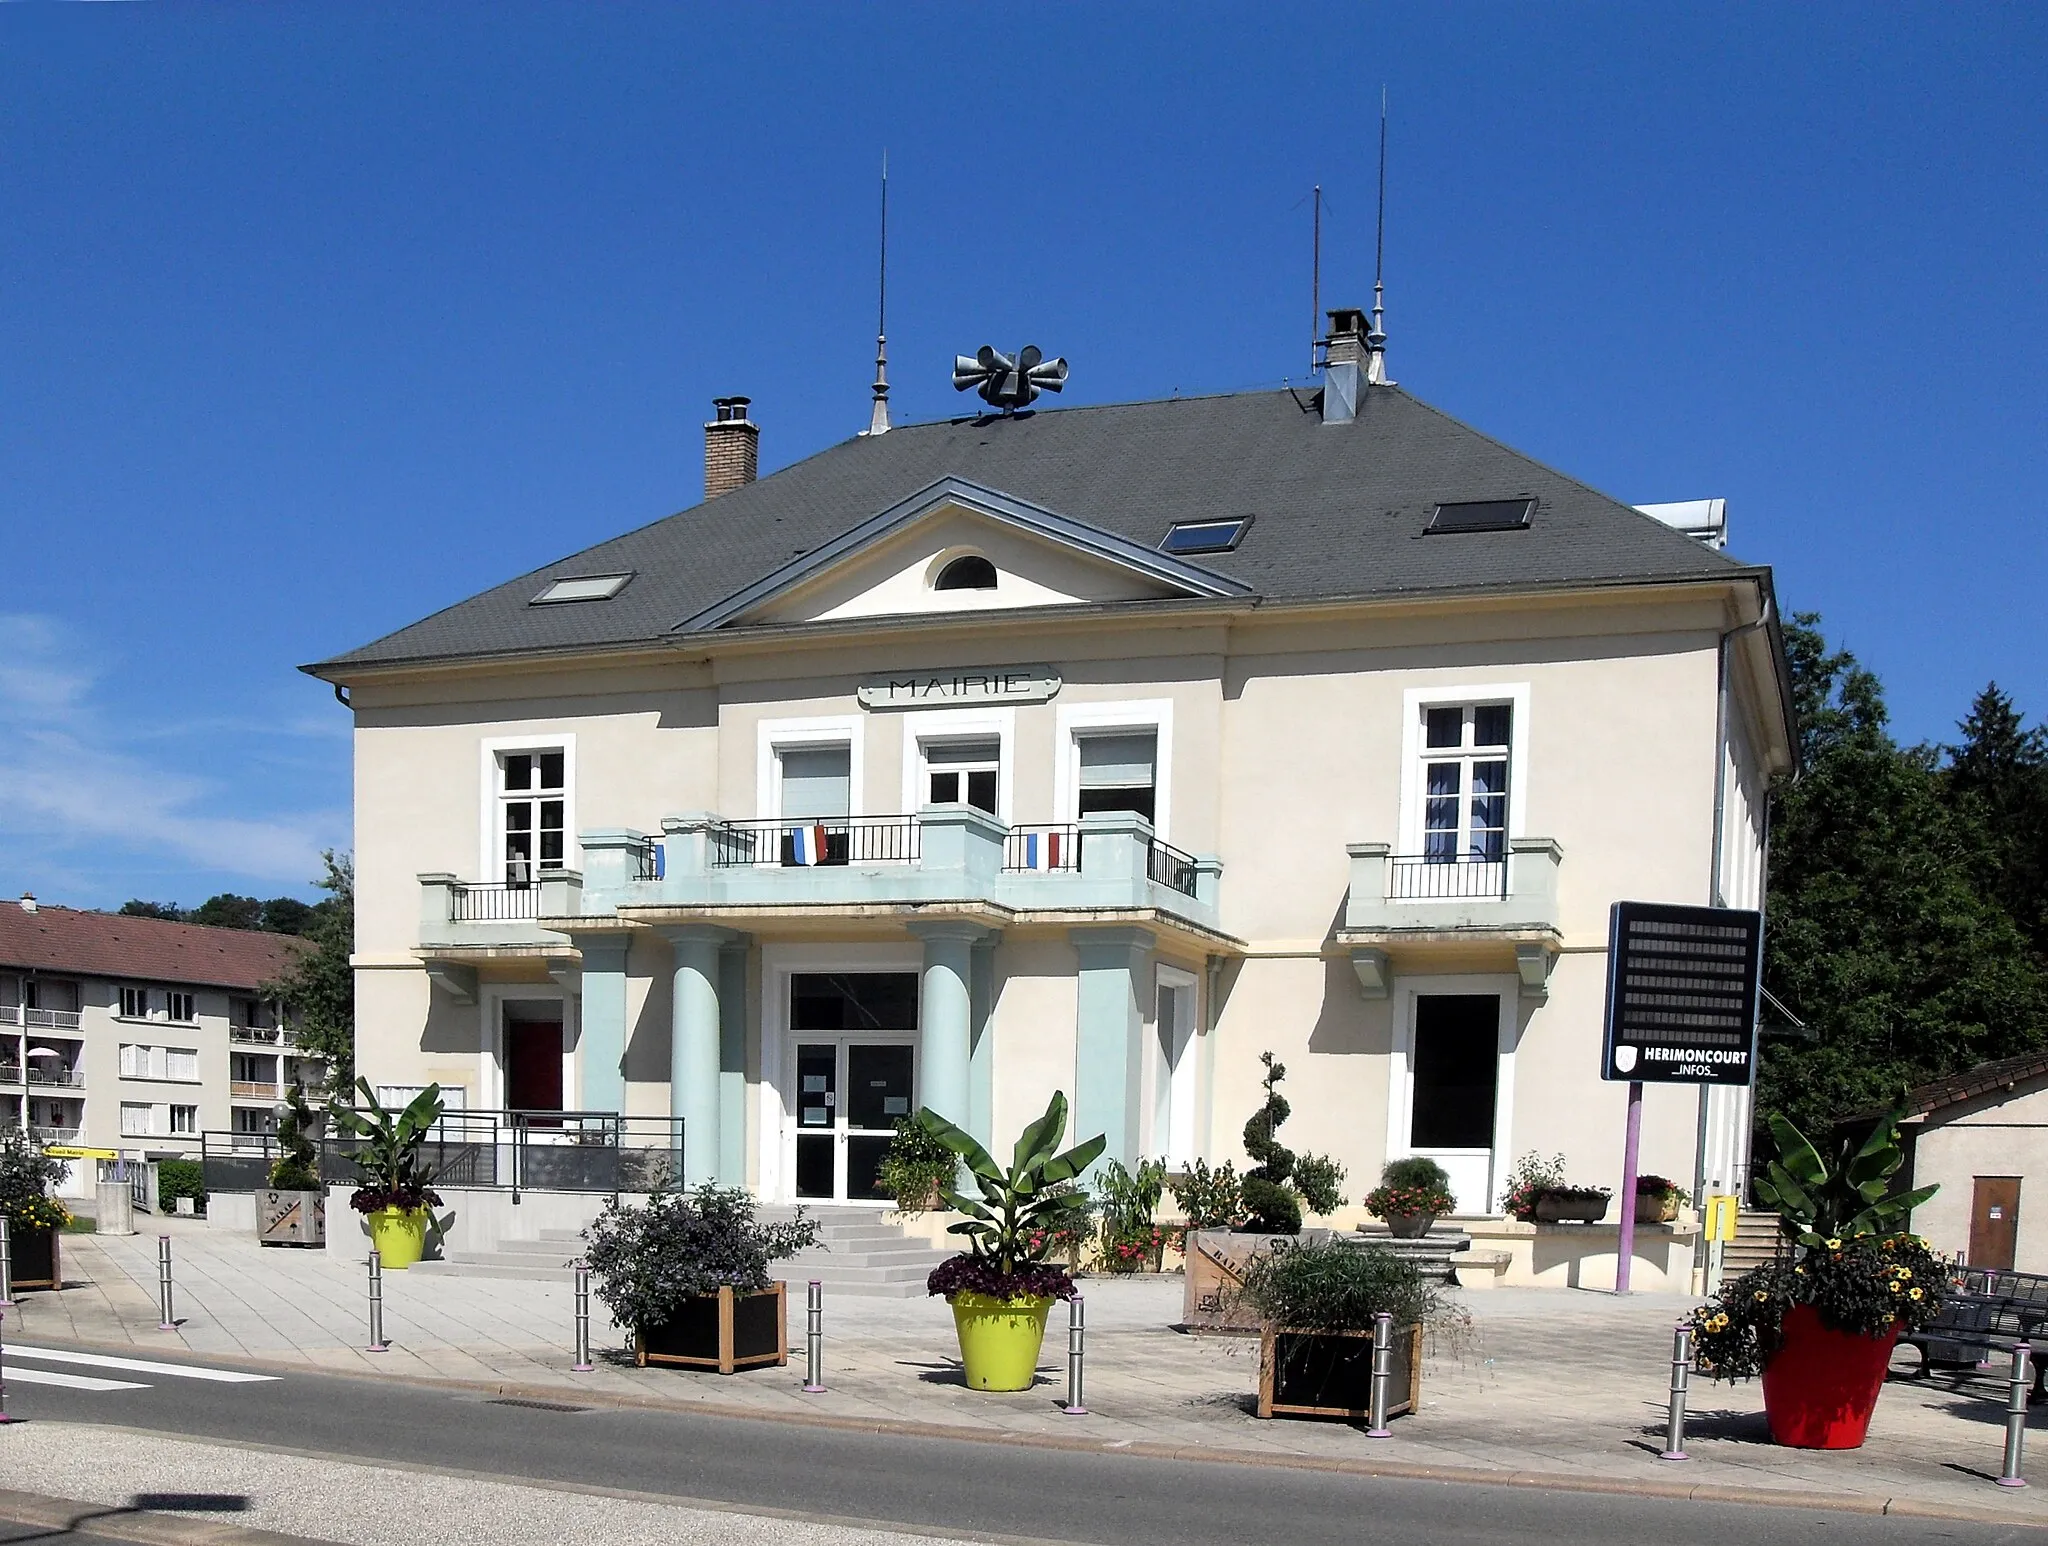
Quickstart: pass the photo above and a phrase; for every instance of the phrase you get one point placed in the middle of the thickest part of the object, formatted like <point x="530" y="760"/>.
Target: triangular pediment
<point x="890" y="565"/>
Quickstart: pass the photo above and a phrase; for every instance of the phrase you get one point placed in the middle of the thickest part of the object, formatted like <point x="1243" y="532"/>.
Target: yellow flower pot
<point x="399" y="1236"/>
<point x="999" y="1339"/>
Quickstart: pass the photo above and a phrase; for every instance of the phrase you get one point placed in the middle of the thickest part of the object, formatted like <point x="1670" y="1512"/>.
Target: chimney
<point x="28" y="901"/>
<point x="732" y="447"/>
<point x="1344" y="365"/>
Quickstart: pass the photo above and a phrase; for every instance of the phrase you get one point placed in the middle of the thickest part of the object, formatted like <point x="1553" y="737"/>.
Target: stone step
<point x="486" y="1265"/>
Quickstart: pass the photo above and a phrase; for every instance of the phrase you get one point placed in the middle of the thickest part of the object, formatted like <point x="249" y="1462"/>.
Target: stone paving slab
<point x="1544" y="1386"/>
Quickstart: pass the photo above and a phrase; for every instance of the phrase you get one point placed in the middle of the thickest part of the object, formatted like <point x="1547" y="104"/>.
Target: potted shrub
<point x="1411" y="1193"/>
<point x="293" y="1210"/>
<point x="688" y="1273"/>
<point x="34" y="1218"/>
<point x="915" y="1168"/>
<point x="1657" y="1199"/>
<point x="1317" y="1306"/>
<point x="1819" y="1325"/>
<point x="1538" y="1193"/>
<point x="390" y="1162"/>
<point x="1130" y="1241"/>
<point x="1001" y="1286"/>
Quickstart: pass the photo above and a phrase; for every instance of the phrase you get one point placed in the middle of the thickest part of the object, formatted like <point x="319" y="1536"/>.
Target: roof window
<point x="582" y="587"/>
<point x="1482" y="515"/>
<point x="1205" y="536"/>
<point x="971" y="572"/>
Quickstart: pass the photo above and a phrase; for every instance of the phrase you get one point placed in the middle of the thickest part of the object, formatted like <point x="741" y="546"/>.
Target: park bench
<point x="1987" y="1312"/>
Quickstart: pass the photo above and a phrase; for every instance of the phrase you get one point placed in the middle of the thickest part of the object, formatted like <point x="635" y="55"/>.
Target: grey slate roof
<point x="1341" y="511"/>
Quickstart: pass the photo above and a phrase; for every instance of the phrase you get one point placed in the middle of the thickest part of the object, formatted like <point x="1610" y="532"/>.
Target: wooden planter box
<point x="35" y="1257"/>
<point x="1329" y="1373"/>
<point x="291" y="1218"/>
<point x="723" y="1331"/>
<point x="1216" y="1263"/>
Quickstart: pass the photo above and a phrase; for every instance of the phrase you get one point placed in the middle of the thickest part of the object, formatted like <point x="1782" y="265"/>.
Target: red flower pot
<point x="1821" y="1386"/>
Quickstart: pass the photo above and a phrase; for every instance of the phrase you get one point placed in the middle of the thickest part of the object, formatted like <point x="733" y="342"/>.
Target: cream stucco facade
<point x="1270" y="900"/>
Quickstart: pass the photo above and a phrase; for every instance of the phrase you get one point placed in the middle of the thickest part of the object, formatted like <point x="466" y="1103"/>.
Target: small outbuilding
<point x="1982" y="1136"/>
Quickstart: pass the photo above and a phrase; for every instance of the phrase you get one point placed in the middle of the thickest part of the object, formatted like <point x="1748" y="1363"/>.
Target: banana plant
<point x="391" y="1162"/>
<point x="1818" y="1201"/>
<point x="1028" y="1201"/>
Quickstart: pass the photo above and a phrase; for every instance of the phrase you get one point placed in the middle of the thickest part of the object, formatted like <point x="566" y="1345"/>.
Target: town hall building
<point x="1097" y="749"/>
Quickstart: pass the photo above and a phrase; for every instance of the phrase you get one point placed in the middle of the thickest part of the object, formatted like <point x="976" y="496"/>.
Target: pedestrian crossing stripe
<point x="184" y="1371"/>
<point x="18" y="1376"/>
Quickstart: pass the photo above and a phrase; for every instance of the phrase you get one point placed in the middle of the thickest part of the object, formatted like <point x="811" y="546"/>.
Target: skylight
<point x="1482" y="515"/>
<point x="1206" y="536"/>
<point x="583" y="587"/>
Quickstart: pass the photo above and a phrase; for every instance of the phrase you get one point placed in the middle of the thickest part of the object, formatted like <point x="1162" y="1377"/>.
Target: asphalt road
<point x="932" y="1484"/>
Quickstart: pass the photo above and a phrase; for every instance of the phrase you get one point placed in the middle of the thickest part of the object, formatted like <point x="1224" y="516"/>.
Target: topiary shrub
<point x="1276" y="1187"/>
<point x="295" y="1169"/>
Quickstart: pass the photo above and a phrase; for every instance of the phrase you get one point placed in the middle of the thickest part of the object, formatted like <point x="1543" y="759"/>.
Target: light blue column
<point x="732" y="1063"/>
<point x="694" y="1047"/>
<point x="601" y="1039"/>
<point x="1108" y="1034"/>
<point x="981" y="1062"/>
<point x="945" y="1015"/>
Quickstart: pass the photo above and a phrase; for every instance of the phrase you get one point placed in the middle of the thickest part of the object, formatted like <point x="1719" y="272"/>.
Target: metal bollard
<point x="2016" y="1417"/>
<point x="6" y="1266"/>
<point x="169" y="1322"/>
<point x="582" y="1365"/>
<point x="1681" y="1372"/>
<point x="1382" y="1375"/>
<point x="814" y="1340"/>
<point x="1077" y="1357"/>
<point x="377" y="1342"/>
<point x="4" y="1418"/>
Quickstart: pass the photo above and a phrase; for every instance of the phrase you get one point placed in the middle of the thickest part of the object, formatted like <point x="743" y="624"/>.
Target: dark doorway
<point x="533" y="1062"/>
<point x="1457" y="1070"/>
<point x="1994" y="1222"/>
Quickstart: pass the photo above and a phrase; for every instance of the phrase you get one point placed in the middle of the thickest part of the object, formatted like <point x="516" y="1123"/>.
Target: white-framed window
<point x="809" y="768"/>
<point x="184" y="1120"/>
<point x="529" y="807"/>
<point x="1115" y="757"/>
<point x="143" y="1062"/>
<point x="135" y="1003"/>
<point x="138" y="1119"/>
<point x="180" y="1007"/>
<point x="253" y="1119"/>
<point x="962" y="756"/>
<point x="1464" y="786"/>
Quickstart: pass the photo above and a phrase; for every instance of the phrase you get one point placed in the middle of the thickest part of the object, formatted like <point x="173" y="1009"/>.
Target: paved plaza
<point x="1543" y="1386"/>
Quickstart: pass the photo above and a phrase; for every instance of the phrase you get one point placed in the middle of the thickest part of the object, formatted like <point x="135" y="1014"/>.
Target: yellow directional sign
<point x="1721" y="1216"/>
<point x="73" y="1151"/>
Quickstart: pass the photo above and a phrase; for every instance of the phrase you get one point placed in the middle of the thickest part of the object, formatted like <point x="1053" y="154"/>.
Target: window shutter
<point x="1118" y="761"/>
<point x="817" y="782"/>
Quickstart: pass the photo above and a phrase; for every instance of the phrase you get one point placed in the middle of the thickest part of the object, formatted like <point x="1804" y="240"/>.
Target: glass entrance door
<point x="849" y="1095"/>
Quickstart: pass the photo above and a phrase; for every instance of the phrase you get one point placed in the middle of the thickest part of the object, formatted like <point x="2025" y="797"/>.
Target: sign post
<point x="1681" y="1009"/>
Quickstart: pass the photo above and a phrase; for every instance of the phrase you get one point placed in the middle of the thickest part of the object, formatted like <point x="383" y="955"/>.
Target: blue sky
<point x="316" y="318"/>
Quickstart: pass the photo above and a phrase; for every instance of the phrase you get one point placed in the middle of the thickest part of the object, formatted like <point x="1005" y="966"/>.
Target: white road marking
<point x="183" y="1371"/>
<point x="68" y="1381"/>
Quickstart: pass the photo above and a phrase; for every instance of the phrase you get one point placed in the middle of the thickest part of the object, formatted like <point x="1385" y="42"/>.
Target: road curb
<point x="1538" y="1481"/>
<point x="125" y="1523"/>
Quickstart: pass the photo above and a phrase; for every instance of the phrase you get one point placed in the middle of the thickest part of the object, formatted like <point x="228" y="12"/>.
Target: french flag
<point x="809" y="844"/>
<point x="1042" y="850"/>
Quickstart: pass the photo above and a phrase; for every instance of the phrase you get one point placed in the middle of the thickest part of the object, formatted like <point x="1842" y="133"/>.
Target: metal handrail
<point x="1170" y="867"/>
<point x="1058" y="847"/>
<point x="259" y="1035"/>
<point x="846" y="840"/>
<point x="64" y="1079"/>
<point x="51" y="1019"/>
<point x="1419" y="878"/>
<point x="493" y="901"/>
<point x="254" y="1089"/>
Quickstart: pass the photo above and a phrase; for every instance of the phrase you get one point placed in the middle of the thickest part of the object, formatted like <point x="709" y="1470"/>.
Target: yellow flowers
<point x="1761" y="1296"/>
<point x="1916" y="1293"/>
<point x="1897" y="1289"/>
<point x="1834" y="1242"/>
<point x="1718" y="1322"/>
<point x="1904" y="1273"/>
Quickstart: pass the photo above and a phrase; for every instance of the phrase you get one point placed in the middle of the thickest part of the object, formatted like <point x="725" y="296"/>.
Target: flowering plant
<point x="37" y="1213"/>
<point x="1531" y="1177"/>
<point x="1860" y="1285"/>
<point x="1411" y="1186"/>
<point x="966" y="1274"/>
<point x="1659" y="1187"/>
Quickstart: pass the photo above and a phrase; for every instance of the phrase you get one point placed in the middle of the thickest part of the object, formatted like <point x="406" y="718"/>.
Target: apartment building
<point x="138" y="1035"/>
<point x="1101" y="750"/>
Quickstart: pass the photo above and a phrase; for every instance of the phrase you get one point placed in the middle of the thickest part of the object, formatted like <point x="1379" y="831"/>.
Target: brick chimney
<point x="1344" y="365"/>
<point x="732" y="447"/>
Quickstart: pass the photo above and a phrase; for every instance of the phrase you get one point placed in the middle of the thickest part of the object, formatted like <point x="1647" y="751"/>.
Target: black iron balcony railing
<point x="1171" y="868"/>
<point x="1057" y="847"/>
<point x="493" y="902"/>
<point x="646" y="859"/>
<point x="824" y="841"/>
<point x="1446" y="878"/>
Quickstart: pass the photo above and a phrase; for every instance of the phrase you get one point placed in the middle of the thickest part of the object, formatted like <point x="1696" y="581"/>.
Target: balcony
<point x="255" y="1089"/>
<point x="465" y="918"/>
<point x="49" y="1135"/>
<point x="51" y="1077"/>
<point x="258" y="1035"/>
<point x="10" y="1073"/>
<point x="62" y="1020"/>
<point x="1429" y="913"/>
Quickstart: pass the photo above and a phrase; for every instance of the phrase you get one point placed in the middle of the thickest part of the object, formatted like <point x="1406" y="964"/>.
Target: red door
<point x="533" y="1065"/>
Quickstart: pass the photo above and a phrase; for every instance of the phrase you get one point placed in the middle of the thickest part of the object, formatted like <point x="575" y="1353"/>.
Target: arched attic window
<point x="971" y="572"/>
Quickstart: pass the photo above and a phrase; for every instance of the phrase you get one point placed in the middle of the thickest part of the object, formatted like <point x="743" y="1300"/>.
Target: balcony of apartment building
<point x="1111" y="862"/>
<point x="52" y="1066"/>
<point x="30" y="1017"/>
<point x="1473" y="906"/>
<point x="254" y="1076"/>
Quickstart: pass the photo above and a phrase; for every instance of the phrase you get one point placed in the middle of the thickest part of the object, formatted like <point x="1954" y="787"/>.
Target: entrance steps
<point x="859" y="1255"/>
<point x="1757" y="1240"/>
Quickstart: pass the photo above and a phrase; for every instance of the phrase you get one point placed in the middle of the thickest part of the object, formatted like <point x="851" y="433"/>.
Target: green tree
<point x="1885" y="935"/>
<point x="319" y="992"/>
<point x="2000" y="773"/>
<point x="288" y="915"/>
<point x="228" y="911"/>
<point x="170" y="912"/>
